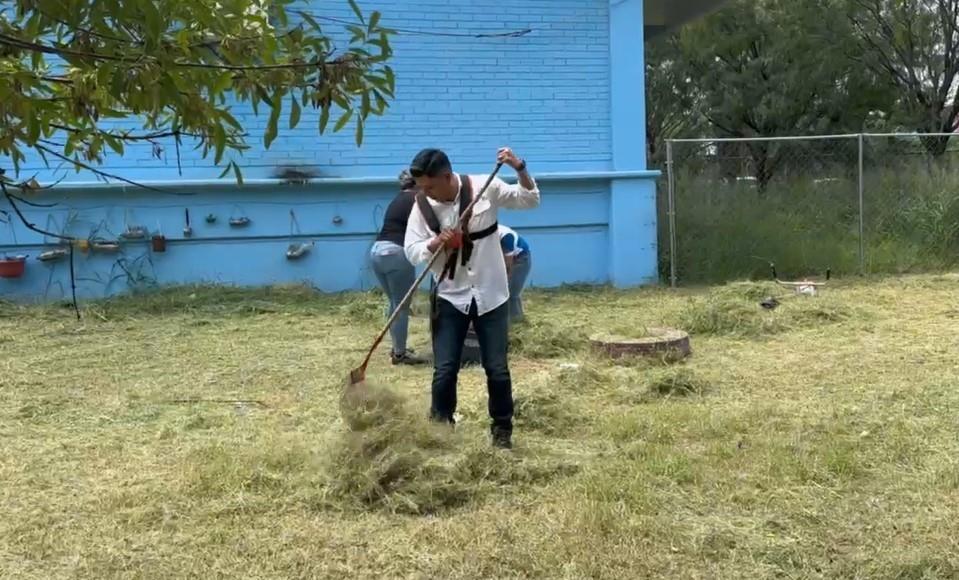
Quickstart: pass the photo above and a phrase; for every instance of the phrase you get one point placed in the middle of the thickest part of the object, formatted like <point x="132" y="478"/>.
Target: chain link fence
<point x="869" y="203"/>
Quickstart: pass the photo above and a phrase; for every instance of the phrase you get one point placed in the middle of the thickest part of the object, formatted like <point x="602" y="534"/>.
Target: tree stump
<point x="667" y="343"/>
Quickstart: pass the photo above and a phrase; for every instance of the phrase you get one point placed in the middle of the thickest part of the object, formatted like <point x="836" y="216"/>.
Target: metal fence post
<point x="670" y="188"/>
<point x="862" y="244"/>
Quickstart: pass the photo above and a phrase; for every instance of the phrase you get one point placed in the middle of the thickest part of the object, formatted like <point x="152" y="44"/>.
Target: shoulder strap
<point x="428" y="214"/>
<point x="466" y="192"/>
<point x="466" y="198"/>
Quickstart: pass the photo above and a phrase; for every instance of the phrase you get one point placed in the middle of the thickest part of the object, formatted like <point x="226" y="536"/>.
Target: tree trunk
<point x="729" y="161"/>
<point x="762" y="165"/>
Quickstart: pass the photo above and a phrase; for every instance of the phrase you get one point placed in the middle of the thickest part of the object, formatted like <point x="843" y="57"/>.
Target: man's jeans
<point x="395" y="275"/>
<point x="492" y="330"/>
<point x="522" y="264"/>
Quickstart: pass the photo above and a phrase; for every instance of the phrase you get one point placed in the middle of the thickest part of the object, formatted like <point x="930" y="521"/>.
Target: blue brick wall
<point x="546" y="94"/>
<point x="566" y="96"/>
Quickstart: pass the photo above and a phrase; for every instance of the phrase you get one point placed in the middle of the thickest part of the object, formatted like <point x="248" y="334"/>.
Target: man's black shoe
<point x="502" y="438"/>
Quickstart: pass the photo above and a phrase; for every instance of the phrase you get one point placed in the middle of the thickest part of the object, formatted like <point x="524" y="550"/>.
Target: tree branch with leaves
<point x="70" y="70"/>
<point x="915" y="45"/>
<point x="757" y="70"/>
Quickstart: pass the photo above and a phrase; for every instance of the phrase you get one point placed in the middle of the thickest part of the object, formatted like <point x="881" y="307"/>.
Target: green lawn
<point x="819" y="440"/>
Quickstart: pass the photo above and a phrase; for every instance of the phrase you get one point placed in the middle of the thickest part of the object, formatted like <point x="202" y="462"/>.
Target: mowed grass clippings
<point x="820" y="442"/>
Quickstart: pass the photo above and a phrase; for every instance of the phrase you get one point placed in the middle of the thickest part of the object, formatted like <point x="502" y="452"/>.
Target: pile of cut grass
<point x="650" y="381"/>
<point x="544" y="411"/>
<point x="734" y="310"/>
<point x="546" y="338"/>
<point x="680" y="381"/>
<point x="392" y="458"/>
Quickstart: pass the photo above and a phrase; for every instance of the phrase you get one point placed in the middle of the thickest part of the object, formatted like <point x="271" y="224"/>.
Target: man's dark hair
<point x="430" y="163"/>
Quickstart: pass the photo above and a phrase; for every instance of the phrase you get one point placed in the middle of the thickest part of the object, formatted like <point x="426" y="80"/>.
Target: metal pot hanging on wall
<point x="53" y="255"/>
<point x="297" y="251"/>
<point x="238" y="219"/>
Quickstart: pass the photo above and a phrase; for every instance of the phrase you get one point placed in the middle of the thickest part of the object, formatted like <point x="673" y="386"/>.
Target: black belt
<point x="466" y="252"/>
<point x="449" y="269"/>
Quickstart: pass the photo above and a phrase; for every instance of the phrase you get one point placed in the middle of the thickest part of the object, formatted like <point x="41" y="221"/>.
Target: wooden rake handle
<point x="419" y="279"/>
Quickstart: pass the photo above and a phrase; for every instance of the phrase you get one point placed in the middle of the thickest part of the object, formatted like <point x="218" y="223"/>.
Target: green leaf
<point x="226" y="170"/>
<point x="230" y="119"/>
<point x="324" y="118"/>
<point x="359" y="132"/>
<point x="358" y="33"/>
<point x="294" y="114"/>
<point x="390" y="78"/>
<point x="378" y="82"/>
<point x="357" y="11"/>
<point x="152" y="19"/>
<point x="33" y="128"/>
<point x="118" y="82"/>
<point x="383" y="43"/>
<point x="237" y="173"/>
<point x="271" y="132"/>
<point x="18" y="156"/>
<point x="104" y="76"/>
<point x="341" y="100"/>
<point x="269" y="49"/>
<point x="32" y="29"/>
<point x="381" y="104"/>
<point x="113" y="114"/>
<point x="183" y="38"/>
<point x="219" y="142"/>
<point x="272" y="127"/>
<point x="310" y="20"/>
<point x="114" y="143"/>
<point x="365" y="105"/>
<point x="374" y="20"/>
<point x="280" y="14"/>
<point x="223" y="82"/>
<point x="344" y="119"/>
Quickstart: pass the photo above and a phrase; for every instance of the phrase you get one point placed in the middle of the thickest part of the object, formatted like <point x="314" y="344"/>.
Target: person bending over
<point x="394" y="271"/>
<point x="519" y="261"/>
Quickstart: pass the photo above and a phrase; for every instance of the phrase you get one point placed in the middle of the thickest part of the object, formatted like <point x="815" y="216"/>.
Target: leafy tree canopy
<point x="70" y="69"/>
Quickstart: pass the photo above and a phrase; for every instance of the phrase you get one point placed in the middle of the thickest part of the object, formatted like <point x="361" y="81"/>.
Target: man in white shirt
<point x="470" y="282"/>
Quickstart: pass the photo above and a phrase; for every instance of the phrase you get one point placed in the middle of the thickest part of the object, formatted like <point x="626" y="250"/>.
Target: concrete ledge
<point x="332" y="181"/>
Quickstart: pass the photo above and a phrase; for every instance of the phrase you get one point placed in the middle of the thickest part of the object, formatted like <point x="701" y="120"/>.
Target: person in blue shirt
<point x="518" y="264"/>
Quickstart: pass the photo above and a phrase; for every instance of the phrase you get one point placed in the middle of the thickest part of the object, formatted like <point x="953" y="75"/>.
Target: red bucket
<point x="13" y="267"/>
<point x="159" y="243"/>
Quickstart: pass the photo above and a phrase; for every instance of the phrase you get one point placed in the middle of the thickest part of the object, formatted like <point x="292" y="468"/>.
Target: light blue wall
<point x="341" y="220"/>
<point x="568" y="96"/>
